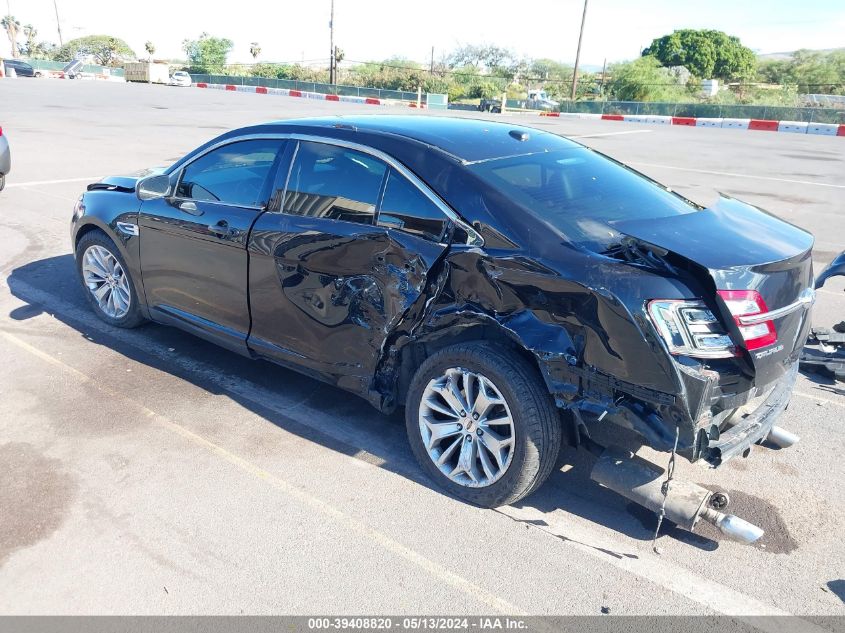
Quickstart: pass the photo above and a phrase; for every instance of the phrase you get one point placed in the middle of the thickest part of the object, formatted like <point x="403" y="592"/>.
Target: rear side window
<point x="407" y="208"/>
<point x="234" y="174"/>
<point x="581" y="193"/>
<point x="327" y="181"/>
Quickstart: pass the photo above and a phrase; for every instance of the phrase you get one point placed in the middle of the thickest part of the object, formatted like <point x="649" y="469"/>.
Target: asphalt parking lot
<point x="148" y="472"/>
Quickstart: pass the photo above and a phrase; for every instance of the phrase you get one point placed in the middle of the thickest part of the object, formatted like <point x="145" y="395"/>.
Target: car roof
<point x="469" y="140"/>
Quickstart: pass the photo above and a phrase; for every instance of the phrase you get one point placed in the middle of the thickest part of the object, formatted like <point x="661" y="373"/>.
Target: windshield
<point x="580" y="193"/>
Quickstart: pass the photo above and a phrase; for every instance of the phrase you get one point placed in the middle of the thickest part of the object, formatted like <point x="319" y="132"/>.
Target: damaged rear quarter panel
<point x="564" y="324"/>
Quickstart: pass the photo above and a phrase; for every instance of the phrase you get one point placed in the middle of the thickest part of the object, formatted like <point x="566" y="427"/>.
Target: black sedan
<point x="506" y="286"/>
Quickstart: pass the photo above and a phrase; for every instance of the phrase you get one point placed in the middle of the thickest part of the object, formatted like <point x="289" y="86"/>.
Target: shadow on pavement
<point x="382" y="436"/>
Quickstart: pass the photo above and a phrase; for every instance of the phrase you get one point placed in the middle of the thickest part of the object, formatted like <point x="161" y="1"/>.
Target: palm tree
<point x="30" y="33"/>
<point x="151" y="49"/>
<point x="254" y="50"/>
<point x="12" y="27"/>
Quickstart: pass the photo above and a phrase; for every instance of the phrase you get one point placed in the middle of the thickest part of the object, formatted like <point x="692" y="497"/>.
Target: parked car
<point x="22" y="69"/>
<point x="180" y="78"/>
<point x="5" y="159"/>
<point x="506" y="286"/>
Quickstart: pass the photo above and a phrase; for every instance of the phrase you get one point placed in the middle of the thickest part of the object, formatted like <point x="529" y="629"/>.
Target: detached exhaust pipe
<point x="686" y="503"/>
<point x="781" y="437"/>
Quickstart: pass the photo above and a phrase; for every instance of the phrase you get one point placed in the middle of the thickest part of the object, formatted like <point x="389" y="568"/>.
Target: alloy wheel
<point x="107" y="281"/>
<point x="467" y="427"/>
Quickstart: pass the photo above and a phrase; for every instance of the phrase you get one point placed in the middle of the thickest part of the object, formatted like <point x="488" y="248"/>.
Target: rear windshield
<point x="580" y="193"/>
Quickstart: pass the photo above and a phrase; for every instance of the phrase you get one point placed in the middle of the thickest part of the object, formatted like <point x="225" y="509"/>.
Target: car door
<point x="329" y="276"/>
<point x="193" y="244"/>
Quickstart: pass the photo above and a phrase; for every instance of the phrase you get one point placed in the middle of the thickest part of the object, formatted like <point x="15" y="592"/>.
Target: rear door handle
<point x="222" y="229"/>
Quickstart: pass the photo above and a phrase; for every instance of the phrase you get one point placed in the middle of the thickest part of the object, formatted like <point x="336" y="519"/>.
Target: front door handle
<point x="189" y="207"/>
<point x="222" y="229"/>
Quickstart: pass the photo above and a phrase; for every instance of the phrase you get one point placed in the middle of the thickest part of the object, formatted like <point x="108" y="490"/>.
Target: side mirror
<point x="834" y="269"/>
<point x="154" y="187"/>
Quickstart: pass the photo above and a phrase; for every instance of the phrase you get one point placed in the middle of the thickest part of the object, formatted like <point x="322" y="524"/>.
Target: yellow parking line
<point x="393" y="546"/>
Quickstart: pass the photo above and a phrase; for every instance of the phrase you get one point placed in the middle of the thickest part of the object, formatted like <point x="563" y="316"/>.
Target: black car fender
<point x="106" y="211"/>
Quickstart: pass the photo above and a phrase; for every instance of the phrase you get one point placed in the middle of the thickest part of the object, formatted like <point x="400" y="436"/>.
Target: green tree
<point x="644" y="79"/>
<point x="482" y="56"/>
<point x="254" y="50"/>
<point x="807" y="72"/>
<point x="105" y="49"/>
<point x="207" y="54"/>
<point x="13" y="27"/>
<point x="705" y="53"/>
<point x="150" y="48"/>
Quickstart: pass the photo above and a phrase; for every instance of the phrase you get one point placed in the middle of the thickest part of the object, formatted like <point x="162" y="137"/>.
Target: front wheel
<point x="2" y="181"/>
<point x="482" y="425"/>
<point x="105" y="278"/>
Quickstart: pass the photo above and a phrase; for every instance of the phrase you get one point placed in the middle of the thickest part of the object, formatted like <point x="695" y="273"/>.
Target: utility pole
<point x="58" y="24"/>
<point x="578" y="53"/>
<point x="431" y="68"/>
<point x="603" y="70"/>
<point x="332" y="67"/>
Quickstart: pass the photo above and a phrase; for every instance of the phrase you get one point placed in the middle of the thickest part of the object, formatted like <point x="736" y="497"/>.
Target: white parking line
<point x="34" y="183"/>
<point x="733" y="175"/>
<point x="812" y="396"/>
<point x="611" y="133"/>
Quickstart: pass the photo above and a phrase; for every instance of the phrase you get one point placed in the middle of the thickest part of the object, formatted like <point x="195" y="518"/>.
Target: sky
<point x="298" y="30"/>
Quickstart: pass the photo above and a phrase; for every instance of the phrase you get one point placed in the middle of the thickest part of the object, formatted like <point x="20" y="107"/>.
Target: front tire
<point x="106" y="281"/>
<point x="2" y="181"/>
<point x="482" y="425"/>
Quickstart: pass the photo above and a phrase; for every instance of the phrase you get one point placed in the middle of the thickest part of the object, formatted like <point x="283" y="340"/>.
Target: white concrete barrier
<point x="736" y="123"/>
<point x="796" y="127"/>
<point x="828" y="129"/>
<point x="707" y="122"/>
<point x="635" y="118"/>
<point x="656" y="119"/>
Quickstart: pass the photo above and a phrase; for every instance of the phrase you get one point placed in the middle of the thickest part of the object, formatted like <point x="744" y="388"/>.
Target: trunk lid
<point x="740" y="247"/>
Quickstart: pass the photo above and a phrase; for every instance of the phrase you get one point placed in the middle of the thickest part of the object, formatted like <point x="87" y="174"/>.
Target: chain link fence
<point x="43" y="64"/>
<point x="698" y="110"/>
<point x="307" y="86"/>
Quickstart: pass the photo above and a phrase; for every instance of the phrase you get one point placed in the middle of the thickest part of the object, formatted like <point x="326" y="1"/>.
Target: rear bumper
<point x="753" y="427"/>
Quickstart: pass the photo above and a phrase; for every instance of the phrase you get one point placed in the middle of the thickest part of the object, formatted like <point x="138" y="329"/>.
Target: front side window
<point x="327" y="181"/>
<point x="407" y="208"/>
<point x="234" y="174"/>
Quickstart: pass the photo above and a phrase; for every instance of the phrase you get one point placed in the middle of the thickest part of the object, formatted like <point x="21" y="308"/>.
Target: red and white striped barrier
<point x="286" y="92"/>
<point x="792" y="127"/>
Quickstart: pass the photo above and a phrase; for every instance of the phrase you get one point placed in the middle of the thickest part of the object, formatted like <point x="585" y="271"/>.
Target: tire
<point x="2" y="181"/>
<point x="534" y="433"/>
<point x="124" y="310"/>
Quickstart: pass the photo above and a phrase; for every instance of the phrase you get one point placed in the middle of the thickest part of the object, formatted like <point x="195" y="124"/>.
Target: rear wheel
<point x="105" y="278"/>
<point x="482" y="425"/>
<point x="2" y="181"/>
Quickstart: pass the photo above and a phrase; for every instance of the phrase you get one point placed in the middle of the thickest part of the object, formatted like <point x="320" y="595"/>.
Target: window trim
<point x="473" y="237"/>
<point x="292" y="162"/>
<point x="379" y="208"/>
<point x="271" y="175"/>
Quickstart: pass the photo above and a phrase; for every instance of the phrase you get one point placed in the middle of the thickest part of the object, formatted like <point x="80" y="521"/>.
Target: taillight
<point x="1" y="130"/>
<point x="748" y="303"/>
<point x="689" y="328"/>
